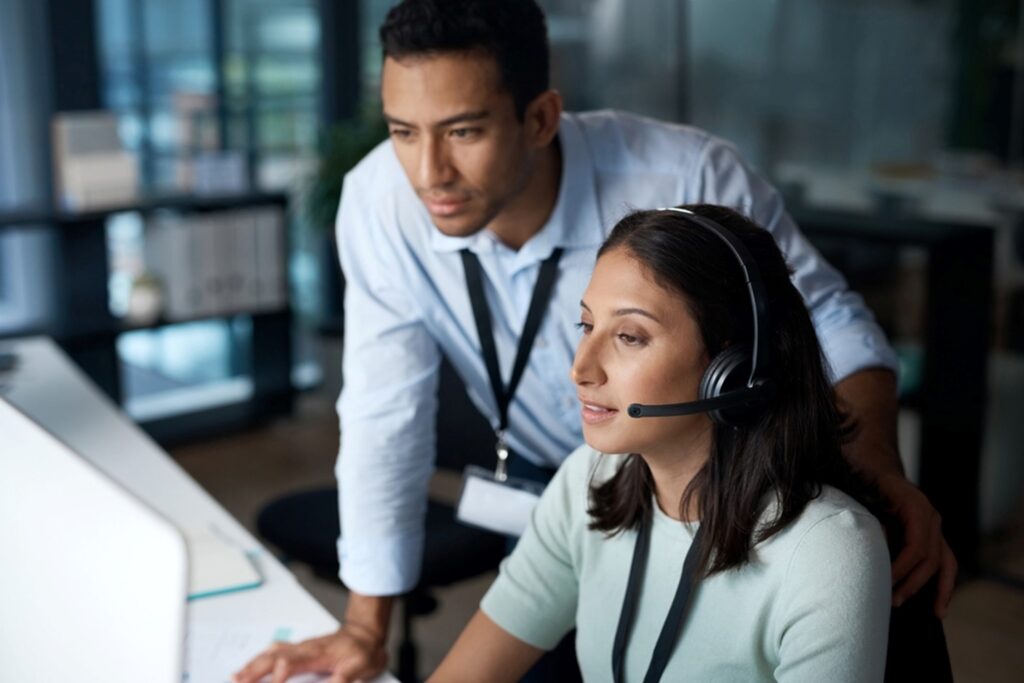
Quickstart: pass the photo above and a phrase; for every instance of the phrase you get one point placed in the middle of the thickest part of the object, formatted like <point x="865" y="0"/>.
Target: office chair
<point x="304" y="525"/>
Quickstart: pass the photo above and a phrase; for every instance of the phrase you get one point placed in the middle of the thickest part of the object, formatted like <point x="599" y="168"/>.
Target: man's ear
<point x="542" y="117"/>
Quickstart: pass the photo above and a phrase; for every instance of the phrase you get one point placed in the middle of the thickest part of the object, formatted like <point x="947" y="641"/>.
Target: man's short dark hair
<point x="511" y="31"/>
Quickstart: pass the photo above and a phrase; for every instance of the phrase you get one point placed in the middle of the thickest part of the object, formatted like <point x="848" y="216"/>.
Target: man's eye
<point x="585" y="328"/>
<point x="463" y="132"/>
<point x="400" y="133"/>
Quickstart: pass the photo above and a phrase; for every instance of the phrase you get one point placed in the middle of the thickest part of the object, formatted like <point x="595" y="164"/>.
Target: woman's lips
<point x="593" y="413"/>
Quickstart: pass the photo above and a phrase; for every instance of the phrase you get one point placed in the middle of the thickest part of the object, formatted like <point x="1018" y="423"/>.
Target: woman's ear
<point x="542" y="118"/>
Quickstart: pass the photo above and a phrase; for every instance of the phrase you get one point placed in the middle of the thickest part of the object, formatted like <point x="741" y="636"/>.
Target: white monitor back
<point x="93" y="582"/>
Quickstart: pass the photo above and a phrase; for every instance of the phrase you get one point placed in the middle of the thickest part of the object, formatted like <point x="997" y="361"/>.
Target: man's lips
<point x="594" y="413"/>
<point x="444" y="206"/>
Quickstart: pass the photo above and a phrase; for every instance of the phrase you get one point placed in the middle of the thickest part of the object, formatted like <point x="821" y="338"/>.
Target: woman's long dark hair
<point x="792" y="447"/>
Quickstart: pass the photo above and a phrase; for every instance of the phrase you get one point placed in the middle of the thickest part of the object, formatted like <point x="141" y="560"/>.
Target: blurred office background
<point x="895" y="128"/>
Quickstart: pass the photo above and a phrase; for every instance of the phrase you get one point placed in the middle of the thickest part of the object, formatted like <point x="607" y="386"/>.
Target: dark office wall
<point x="985" y="76"/>
<point x="339" y="45"/>
<point x="75" y="65"/>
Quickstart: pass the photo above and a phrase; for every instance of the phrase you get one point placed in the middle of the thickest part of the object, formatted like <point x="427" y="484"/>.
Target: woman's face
<point x="640" y="344"/>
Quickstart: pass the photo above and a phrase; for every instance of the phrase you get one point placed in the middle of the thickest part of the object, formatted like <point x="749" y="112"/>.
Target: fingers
<point x="363" y="664"/>
<point x="280" y="661"/>
<point x="910" y="557"/>
<point x="922" y="540"/>
<point x="925" y="554"/>
<point x="347" y="658"/>
<point x="255" y="670"/>
<point x="947" y="579"/>
<point x="338" y="677"/>
<point x="925" y="569"/>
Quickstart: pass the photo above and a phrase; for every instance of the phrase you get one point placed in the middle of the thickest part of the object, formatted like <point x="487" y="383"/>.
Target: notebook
<point x="217" y="565"/>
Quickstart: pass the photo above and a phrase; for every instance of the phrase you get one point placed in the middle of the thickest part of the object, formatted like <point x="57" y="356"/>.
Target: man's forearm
<point x="369" y="615"/>
<point x="870" y="398"/>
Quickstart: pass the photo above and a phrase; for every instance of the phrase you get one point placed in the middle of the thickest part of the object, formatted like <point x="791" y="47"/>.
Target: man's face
<point x="457" y="137"/>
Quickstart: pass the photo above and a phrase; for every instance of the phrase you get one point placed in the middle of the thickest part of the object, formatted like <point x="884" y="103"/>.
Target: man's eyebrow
<point x="464" y="117"/>
<point x="626" y="311"/>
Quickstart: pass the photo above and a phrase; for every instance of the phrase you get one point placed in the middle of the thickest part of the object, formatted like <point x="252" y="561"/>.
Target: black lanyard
<point x="482" y="314"/>
<point x="676" y="613"/>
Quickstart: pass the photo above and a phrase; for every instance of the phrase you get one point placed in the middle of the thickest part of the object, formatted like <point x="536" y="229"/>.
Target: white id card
<point x="500" y="506"/>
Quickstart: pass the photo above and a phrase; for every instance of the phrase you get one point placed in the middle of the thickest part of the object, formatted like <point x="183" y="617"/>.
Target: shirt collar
<point x="575" y="221"/>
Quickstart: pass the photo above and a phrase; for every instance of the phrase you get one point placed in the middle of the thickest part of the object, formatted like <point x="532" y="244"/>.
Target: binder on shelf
<point x="246" y="284"/>
<point x="218" y="263"/>
<point x="208" y="249"/>
<point x="170" y="258"/>
<point x="271" y="259"/>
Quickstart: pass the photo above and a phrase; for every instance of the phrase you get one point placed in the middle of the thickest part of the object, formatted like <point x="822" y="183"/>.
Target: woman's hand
<point x="350" y="654"/>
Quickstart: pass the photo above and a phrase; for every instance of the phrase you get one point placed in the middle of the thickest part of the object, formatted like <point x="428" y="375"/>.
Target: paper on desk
<point x="214" y="651"/>
<point x="216" y="565"/>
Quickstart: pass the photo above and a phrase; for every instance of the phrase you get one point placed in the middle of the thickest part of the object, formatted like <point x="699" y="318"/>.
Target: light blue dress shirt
<point x="406" y="303"/>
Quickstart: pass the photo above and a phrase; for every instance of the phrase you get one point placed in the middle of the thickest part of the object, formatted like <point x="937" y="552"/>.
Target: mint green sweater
<point x="813" y="605"/>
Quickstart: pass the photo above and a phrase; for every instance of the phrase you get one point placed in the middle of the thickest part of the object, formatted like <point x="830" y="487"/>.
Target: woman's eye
<point x="630" y="340"/>
<point x="584" y="327"/>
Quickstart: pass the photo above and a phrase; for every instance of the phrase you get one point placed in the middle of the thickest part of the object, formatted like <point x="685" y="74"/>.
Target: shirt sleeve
<point x="387" y="408"/>
<point x="535" y="595"/>
<point x="850" y="337"/>
<point x="833" y="615"/>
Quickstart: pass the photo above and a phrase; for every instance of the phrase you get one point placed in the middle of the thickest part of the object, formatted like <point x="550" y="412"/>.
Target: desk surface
<point x="51" y="389"/>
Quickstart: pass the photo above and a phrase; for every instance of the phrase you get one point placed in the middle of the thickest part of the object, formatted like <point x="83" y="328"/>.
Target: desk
<point x="48" y="387"/>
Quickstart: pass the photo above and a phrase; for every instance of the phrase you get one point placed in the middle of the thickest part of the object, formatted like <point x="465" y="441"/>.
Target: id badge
<point x="501" y="506"/>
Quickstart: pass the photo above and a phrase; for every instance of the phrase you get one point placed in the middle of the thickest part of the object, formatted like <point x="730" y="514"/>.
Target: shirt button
<point x="541" y="343"/>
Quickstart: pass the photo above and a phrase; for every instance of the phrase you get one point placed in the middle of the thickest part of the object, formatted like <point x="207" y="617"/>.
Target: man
<point x="483" y="159"/>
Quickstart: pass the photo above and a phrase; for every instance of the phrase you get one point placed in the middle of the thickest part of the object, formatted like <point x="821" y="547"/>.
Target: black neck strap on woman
<point x="677" y="612"/>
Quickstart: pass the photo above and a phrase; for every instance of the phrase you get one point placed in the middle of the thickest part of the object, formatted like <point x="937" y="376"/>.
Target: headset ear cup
<point x="728" y="371"/>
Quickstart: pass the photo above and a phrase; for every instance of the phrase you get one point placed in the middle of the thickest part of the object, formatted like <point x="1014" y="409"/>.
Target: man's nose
<point x="435" y="168"/>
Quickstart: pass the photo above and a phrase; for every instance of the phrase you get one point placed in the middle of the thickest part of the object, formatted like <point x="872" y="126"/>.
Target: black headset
<point x="736" y="384"/>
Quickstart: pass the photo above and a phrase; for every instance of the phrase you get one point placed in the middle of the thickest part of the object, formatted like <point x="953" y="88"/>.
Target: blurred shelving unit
<point x="87" y="330"/>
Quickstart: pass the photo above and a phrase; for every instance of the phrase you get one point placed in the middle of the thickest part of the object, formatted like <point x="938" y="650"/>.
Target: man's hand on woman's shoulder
<point x="925" y="552"/>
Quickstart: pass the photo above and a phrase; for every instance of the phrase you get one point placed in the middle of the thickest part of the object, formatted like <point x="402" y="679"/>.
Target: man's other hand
<point x="350" y="654"/>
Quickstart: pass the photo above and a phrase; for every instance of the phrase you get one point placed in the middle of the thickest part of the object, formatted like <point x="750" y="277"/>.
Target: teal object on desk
<point x="217" y="567"/>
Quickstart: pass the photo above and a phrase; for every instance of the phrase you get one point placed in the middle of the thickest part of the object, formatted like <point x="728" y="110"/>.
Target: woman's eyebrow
<point x="626" y="311"/>
<point x="637" y="311"/>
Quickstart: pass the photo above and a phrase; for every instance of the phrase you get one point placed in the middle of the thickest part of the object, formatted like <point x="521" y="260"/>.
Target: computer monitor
<point x="93" y="582"/>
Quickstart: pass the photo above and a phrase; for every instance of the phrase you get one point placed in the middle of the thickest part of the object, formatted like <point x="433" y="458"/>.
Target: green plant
<point x="345" y="144"/>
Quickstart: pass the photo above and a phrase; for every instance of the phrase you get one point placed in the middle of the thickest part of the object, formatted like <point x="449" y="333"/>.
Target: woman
<point x="786" y="575"/>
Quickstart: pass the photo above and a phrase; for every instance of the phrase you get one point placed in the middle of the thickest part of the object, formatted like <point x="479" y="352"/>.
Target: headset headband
<point x="752" y="279"/>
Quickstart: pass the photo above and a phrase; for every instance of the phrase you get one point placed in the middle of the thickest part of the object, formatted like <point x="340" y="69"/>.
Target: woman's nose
<point x="585" y="366"/>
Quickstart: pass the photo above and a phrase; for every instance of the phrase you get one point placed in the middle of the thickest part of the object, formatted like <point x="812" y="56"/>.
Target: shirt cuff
<point x="381" y="566"/>
<point x="858" y="347"/>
